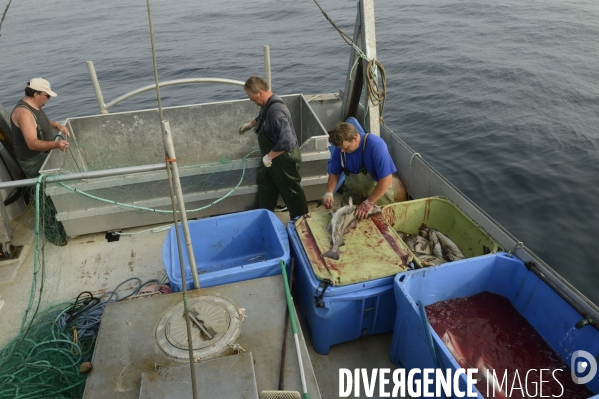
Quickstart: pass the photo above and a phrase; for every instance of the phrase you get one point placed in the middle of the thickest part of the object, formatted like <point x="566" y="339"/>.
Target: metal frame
<point x="82" y="215"/>
<point x="105" y="107"/>
<point x="365" y="39"/>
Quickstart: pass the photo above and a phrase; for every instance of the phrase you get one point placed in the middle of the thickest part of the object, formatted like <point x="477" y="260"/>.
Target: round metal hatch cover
<point x="215" y="323"/>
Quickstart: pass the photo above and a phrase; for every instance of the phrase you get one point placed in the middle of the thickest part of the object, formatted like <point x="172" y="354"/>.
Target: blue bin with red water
<point x="538" y="309"/>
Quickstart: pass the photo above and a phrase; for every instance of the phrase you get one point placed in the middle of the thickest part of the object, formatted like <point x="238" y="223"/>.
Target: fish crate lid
<point x="372" y="250"/>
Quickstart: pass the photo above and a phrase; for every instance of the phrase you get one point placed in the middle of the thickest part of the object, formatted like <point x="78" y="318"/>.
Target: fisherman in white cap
<point x="32" y="129"/>
<point x="33" y="140"/>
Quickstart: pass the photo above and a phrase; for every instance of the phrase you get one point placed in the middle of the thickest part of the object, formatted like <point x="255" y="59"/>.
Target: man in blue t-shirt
<point x="368" y="168"/>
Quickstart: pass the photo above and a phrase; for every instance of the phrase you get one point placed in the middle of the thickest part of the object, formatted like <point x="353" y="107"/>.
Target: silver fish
<point x="428" y="260"/>
<point x="452" y="251"/>
<point x="435" y="244"/>
<point x="418" y="243"/>
<point x="341" y="223"/>
<point x="402" y="235"/>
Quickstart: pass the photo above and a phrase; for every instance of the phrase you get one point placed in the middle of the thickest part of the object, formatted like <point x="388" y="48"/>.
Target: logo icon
<point x="588" y="366"/>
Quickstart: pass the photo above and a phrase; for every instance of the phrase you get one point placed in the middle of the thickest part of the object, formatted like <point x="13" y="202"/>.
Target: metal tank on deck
<point x="212" y="158"/>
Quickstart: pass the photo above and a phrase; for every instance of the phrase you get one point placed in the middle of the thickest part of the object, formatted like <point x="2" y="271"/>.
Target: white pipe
<point x="267" y="66"/>
<point x="85" y="175"/>
<point x="172" y="83"/>
<point x="170" y="152"/>
<point x="96" y="85"/>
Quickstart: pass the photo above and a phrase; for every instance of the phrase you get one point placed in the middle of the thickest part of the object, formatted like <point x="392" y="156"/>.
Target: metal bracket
<point x="318" y="298"/>
<point x="201" y="323"/>
<point x="519" y="244"/>
<point x="113" y="235"/>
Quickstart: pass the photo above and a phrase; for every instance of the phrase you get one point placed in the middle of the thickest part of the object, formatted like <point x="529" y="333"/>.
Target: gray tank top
<point x="44" y="132"/>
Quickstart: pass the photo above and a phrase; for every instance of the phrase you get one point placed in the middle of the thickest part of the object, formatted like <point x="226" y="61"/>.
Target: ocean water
<point x="502" y="98"/>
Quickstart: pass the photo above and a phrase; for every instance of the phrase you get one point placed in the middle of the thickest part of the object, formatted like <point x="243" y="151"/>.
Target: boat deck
<point x="91" y="263"/>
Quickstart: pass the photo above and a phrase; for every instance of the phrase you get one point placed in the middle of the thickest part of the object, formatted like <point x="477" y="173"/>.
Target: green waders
<point x="32" y="166"/>
<point x="53" y="229"/>
<point x="282" y="177"/>
<point x="360" y="186"/>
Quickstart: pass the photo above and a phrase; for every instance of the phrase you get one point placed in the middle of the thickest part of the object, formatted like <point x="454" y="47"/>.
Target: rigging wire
<point x="4" y="15"/>
<point x="173" y="178"/>
<point x="376" y="92"/>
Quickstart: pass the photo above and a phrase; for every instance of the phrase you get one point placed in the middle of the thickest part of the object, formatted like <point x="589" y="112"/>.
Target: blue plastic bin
<point x="507" y="276"/>
<point x="344" y="313"/>
<point x="229" y="248"/>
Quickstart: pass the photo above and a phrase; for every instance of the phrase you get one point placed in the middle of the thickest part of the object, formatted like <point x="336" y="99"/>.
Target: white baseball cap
<point x="40" y="84"/>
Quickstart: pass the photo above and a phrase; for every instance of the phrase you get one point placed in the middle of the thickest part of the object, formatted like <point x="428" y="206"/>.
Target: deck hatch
<point x="217" y="325"/>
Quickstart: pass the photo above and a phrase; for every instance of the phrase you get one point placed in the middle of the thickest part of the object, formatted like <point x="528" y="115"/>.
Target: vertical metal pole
<point x="170" y="153"/>
<point x="169" y="150"/>
<point x="175" y="188"/>
<point x="372" y="122"/>
<point x="96" y="84"/>
<point x="267" y="66"/>
<point x="365" y="39"/>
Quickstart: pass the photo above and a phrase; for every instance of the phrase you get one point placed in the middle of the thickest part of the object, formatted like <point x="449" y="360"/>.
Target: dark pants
<point x="283" y="178"/>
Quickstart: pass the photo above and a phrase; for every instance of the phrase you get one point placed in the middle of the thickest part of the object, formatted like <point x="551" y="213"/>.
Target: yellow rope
<point x="75" y="342"/>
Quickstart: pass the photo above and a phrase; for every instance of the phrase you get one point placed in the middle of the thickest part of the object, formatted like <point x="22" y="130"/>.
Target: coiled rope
<point x="8" y="353"/>
<point x="44" y="360"/>
<point x="376" y="93"/>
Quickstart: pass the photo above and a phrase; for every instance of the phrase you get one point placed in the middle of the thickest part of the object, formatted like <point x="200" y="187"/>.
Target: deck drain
<point x="215" y="326"/>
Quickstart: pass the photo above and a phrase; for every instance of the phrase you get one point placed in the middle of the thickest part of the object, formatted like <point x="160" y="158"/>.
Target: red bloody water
<point x="485" y="331"/>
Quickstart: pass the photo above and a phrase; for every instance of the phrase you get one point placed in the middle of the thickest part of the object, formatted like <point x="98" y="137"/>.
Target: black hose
<point x="13" y="196"/>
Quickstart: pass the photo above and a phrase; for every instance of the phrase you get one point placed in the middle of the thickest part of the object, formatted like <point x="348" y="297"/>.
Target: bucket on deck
<point x="229" y="248"/>
<point x="543" y="308"/>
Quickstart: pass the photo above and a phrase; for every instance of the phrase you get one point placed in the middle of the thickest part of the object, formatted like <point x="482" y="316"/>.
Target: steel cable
<point x="375" y="94"/>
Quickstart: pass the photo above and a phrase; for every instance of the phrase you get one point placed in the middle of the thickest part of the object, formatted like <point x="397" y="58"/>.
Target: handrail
<point x="85" y="175"/>
<point x="105" y="107"/>
<point x="171" y="83"/>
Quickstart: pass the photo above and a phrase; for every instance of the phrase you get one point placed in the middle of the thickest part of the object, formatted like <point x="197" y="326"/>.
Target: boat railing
<point x="105" y="107"/>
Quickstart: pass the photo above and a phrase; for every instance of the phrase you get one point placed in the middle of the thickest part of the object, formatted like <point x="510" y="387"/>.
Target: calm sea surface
<point x="501" y="97"/>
